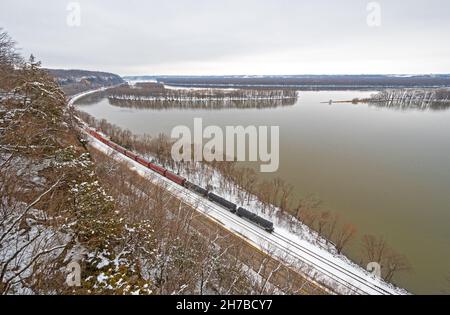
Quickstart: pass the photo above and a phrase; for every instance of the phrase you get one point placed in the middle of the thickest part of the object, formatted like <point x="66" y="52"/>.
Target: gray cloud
<point x="234" y="37"/>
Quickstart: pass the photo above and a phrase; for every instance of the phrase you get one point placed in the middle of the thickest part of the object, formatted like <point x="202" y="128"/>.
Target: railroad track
<point x="336" y="274"/>
<point x="350" y="281"/>
<point x="287" y="248"/>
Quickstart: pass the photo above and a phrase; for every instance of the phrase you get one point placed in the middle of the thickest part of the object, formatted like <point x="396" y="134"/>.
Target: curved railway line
<point x="330" y="273"/>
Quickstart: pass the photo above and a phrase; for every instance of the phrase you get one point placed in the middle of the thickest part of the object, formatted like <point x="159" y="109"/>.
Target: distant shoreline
<point x="303" y="82"/>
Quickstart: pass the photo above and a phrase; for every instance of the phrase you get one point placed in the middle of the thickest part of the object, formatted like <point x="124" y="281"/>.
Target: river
<point x="387" y="171"/>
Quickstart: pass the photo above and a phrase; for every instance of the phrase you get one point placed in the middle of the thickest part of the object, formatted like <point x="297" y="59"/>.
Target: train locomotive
<point x="233" y="208"/>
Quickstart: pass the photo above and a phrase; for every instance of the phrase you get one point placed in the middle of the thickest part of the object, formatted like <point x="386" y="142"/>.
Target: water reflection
<point x="386" y="171"/>
<point x="200" y="99"/>
<point x="202" y="104"/>
<point x="421" y="100"/>
<point x="91" y="99"/>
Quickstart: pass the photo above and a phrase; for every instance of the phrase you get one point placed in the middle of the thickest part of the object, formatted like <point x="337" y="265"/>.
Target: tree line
<point x="62" y="203"/>
<point x="421" y="99"/>
<point x="156" y="92"/>
<point x="274" y="198"/>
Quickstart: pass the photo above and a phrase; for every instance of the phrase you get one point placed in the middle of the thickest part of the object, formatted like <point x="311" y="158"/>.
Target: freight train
<point x="241" y="212"/>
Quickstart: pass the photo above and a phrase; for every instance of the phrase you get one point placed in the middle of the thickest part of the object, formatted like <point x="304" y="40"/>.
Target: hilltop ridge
<point x="75" y="81"/>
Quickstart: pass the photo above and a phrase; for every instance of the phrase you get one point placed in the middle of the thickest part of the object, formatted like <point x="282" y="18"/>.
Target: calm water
<point x="386" y="171"/>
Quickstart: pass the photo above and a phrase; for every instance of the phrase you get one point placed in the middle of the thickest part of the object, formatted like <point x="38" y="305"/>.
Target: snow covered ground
<point x="76" y="97"/>
<point x="319" y="264"/>
<point x="134" y="82"/>
<point x="300" y="247"/>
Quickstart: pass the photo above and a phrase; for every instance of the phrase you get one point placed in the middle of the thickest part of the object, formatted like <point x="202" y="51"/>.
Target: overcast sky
<point x="199" y="37"/>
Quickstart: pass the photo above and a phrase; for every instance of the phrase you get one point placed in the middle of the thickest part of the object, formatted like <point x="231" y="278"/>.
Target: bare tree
<point x="331" y="227"/>
<point x="376" y="249"/>
<point x="395" y="263"/>
<point x="8" y="58"/>
<point x="344" y="236"/>
<point x="322" y="222"/>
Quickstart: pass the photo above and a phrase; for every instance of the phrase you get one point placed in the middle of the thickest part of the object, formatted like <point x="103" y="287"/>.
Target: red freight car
<point x="109" y="143"/>
<point x="131" y="155"/>
<point x="94" y="134"/>
<point x="175" y="178"/>
<point x="157" y="169"/>
<point x="120" y="149"/>
<point x="142" y="161"/>
<point x="99" y="137"/>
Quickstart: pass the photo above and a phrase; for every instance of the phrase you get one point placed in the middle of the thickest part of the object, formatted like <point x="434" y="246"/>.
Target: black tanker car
<point x="195" y="188"/>
<point x="254" y="218"/>
<point x="223" y="202"/>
